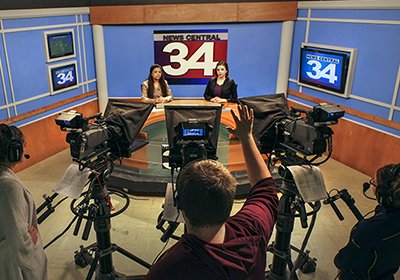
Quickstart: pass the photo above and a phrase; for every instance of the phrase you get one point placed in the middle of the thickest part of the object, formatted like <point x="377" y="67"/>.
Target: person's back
<point x="373" y="251"/>
<point x="218" y="246"/>
<point x="21" y="251"/>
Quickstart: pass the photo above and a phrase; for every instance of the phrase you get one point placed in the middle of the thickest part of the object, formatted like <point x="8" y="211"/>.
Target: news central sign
<point x="190" y="56"/>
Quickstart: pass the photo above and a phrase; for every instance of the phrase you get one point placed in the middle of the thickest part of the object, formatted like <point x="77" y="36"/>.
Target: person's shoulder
<point x="145" y="83"/>
<point x="10" y="188"/>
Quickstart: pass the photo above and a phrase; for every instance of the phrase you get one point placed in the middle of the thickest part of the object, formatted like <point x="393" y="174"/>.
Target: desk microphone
<point x="27" y="156"/>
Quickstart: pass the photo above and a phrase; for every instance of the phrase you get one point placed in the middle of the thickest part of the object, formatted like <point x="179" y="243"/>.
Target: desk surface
<point x="194" y="102"/>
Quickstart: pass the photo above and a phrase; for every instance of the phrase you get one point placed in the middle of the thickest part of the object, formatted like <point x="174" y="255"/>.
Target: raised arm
<point x="255" y="164"/>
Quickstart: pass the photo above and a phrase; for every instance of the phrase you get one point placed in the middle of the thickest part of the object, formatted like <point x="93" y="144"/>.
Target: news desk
<point x="145" y="173"/>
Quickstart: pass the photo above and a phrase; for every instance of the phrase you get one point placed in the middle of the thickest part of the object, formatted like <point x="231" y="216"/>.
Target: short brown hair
<point x="206" y="190"/>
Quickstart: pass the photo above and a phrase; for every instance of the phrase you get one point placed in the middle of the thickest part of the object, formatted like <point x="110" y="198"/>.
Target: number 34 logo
<point x="178" y="53"/>
<point x="329" y="72"/>
<point x="62" y="78"/>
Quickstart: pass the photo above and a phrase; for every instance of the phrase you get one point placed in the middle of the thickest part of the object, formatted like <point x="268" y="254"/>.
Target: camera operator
<point x="217" y="246"/>
<point x="373" y="251"/>
<point x="21" y="250"/>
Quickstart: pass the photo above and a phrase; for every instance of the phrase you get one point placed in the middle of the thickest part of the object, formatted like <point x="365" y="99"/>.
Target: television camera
<point x="91" y="141"/>
<point x="292" y="138"/>
<point x="95" y="143"/>
<point x="298" y="136"/>
<point x="191" y="142"/>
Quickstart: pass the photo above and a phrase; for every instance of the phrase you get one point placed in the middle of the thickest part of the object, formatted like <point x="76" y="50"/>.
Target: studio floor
<point x="135" y="229"/>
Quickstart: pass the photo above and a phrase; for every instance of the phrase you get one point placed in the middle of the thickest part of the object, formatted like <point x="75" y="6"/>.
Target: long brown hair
<point x="225" y="64"/>
<point x="163" y="84"/>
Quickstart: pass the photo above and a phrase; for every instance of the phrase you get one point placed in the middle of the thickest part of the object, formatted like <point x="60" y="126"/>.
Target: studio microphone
<point x="27" y="156"/>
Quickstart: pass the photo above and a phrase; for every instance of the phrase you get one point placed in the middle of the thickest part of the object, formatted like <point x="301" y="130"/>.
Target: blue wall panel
<point x="3" y="114"/>
<point x="40" y="21"/>
<point x="377" y="62"/>
<point x="357" y="14"/>
<point x="298" y="38"/>
<point x="26" y="57"/>
<point x="253" y="53"/>
<point x="302" y="13"/>
<point x="378" y="58"/>
<point x="28" y="66"/>
<point x="4" y="83"/>
<point x="89" y="51"/>
<point x="396" y="116"/>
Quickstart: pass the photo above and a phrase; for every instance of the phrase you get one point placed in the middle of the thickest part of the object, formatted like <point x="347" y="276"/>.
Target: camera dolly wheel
<point x="309" y="266"/>
<point x="82" y="257"/>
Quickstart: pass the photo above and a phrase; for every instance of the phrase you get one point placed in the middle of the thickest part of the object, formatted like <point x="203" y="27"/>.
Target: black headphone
<point x="384" y="194"/>
<point x="15" y="144"/>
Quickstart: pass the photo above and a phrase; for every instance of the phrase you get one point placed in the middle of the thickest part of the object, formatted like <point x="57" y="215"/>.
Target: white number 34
<point x="329" y="72"/>
<point x="206" y="51"/>
<point x="65" y="78"/>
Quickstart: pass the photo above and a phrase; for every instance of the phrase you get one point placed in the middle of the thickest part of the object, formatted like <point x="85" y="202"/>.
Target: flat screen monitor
<point x="210" y="114"/>
<point x="62" y="77"/>
<point x="327" y="68"/>
<point x="59" y="44"/>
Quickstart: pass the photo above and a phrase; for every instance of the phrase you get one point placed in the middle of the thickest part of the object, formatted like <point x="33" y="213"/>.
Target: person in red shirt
<point x="217" y="246"/>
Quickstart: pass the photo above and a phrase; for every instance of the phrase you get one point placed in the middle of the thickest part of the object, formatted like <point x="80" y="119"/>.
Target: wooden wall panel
<point x="117" y="15"/>
<point x="194" y="13"/>
<point x="190" y="13"/>
<point x="269" y="11"/>
<point x="362" y="148"/>
<point x="44" y="138"/>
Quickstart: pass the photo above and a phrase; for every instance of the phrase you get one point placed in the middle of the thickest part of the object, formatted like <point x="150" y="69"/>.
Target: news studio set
<point x="278" y="176"/>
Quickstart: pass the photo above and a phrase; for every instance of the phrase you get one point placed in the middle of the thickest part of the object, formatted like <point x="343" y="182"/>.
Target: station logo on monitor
<point x="190" y="56"/>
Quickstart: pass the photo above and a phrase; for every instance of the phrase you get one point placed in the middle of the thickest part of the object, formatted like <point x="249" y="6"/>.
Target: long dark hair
<point x="163" y="85"/>
<point x="225" y="64"/>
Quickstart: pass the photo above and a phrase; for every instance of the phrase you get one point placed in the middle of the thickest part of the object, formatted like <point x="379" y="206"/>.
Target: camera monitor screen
<point x="59" y="44"/>
<point x="327" y="68"/>
<point x="63" y="77"/>
<point x="210" y="114"/>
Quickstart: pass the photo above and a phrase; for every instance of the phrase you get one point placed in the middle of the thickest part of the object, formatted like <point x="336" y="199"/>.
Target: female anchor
<point x="221" y="89"/>
<point x="156" y="89"/>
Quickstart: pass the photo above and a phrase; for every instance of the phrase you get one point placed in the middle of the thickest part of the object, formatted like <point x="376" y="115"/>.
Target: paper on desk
<point x="73" y="181"/>
<point x="309" y="182"/>
<point x="170" y="211"/>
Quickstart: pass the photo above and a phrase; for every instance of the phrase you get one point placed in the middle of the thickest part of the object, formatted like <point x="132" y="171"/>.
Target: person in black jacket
<point x="221" y="89"/>
<point x="373" y="251"/>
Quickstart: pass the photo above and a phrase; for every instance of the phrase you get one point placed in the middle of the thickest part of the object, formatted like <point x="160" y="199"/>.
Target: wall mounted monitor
<point x="327" y="68"/>
<point x="62" y="77"/>
<point x="59" y="44"/>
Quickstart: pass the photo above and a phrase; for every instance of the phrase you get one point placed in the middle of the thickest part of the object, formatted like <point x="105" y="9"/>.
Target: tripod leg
<point x="93" y="265"/>
<point x="131" y="256"/>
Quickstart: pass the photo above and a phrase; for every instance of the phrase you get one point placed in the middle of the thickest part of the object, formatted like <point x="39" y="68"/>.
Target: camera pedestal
<point x="102" y="263"/>
<point x="281" y="248"/>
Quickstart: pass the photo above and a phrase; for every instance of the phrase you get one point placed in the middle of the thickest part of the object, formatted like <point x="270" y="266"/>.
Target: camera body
<point x="191" y="142"/>
<point x="310" y="134"/>
<point x="89" y="141"/>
